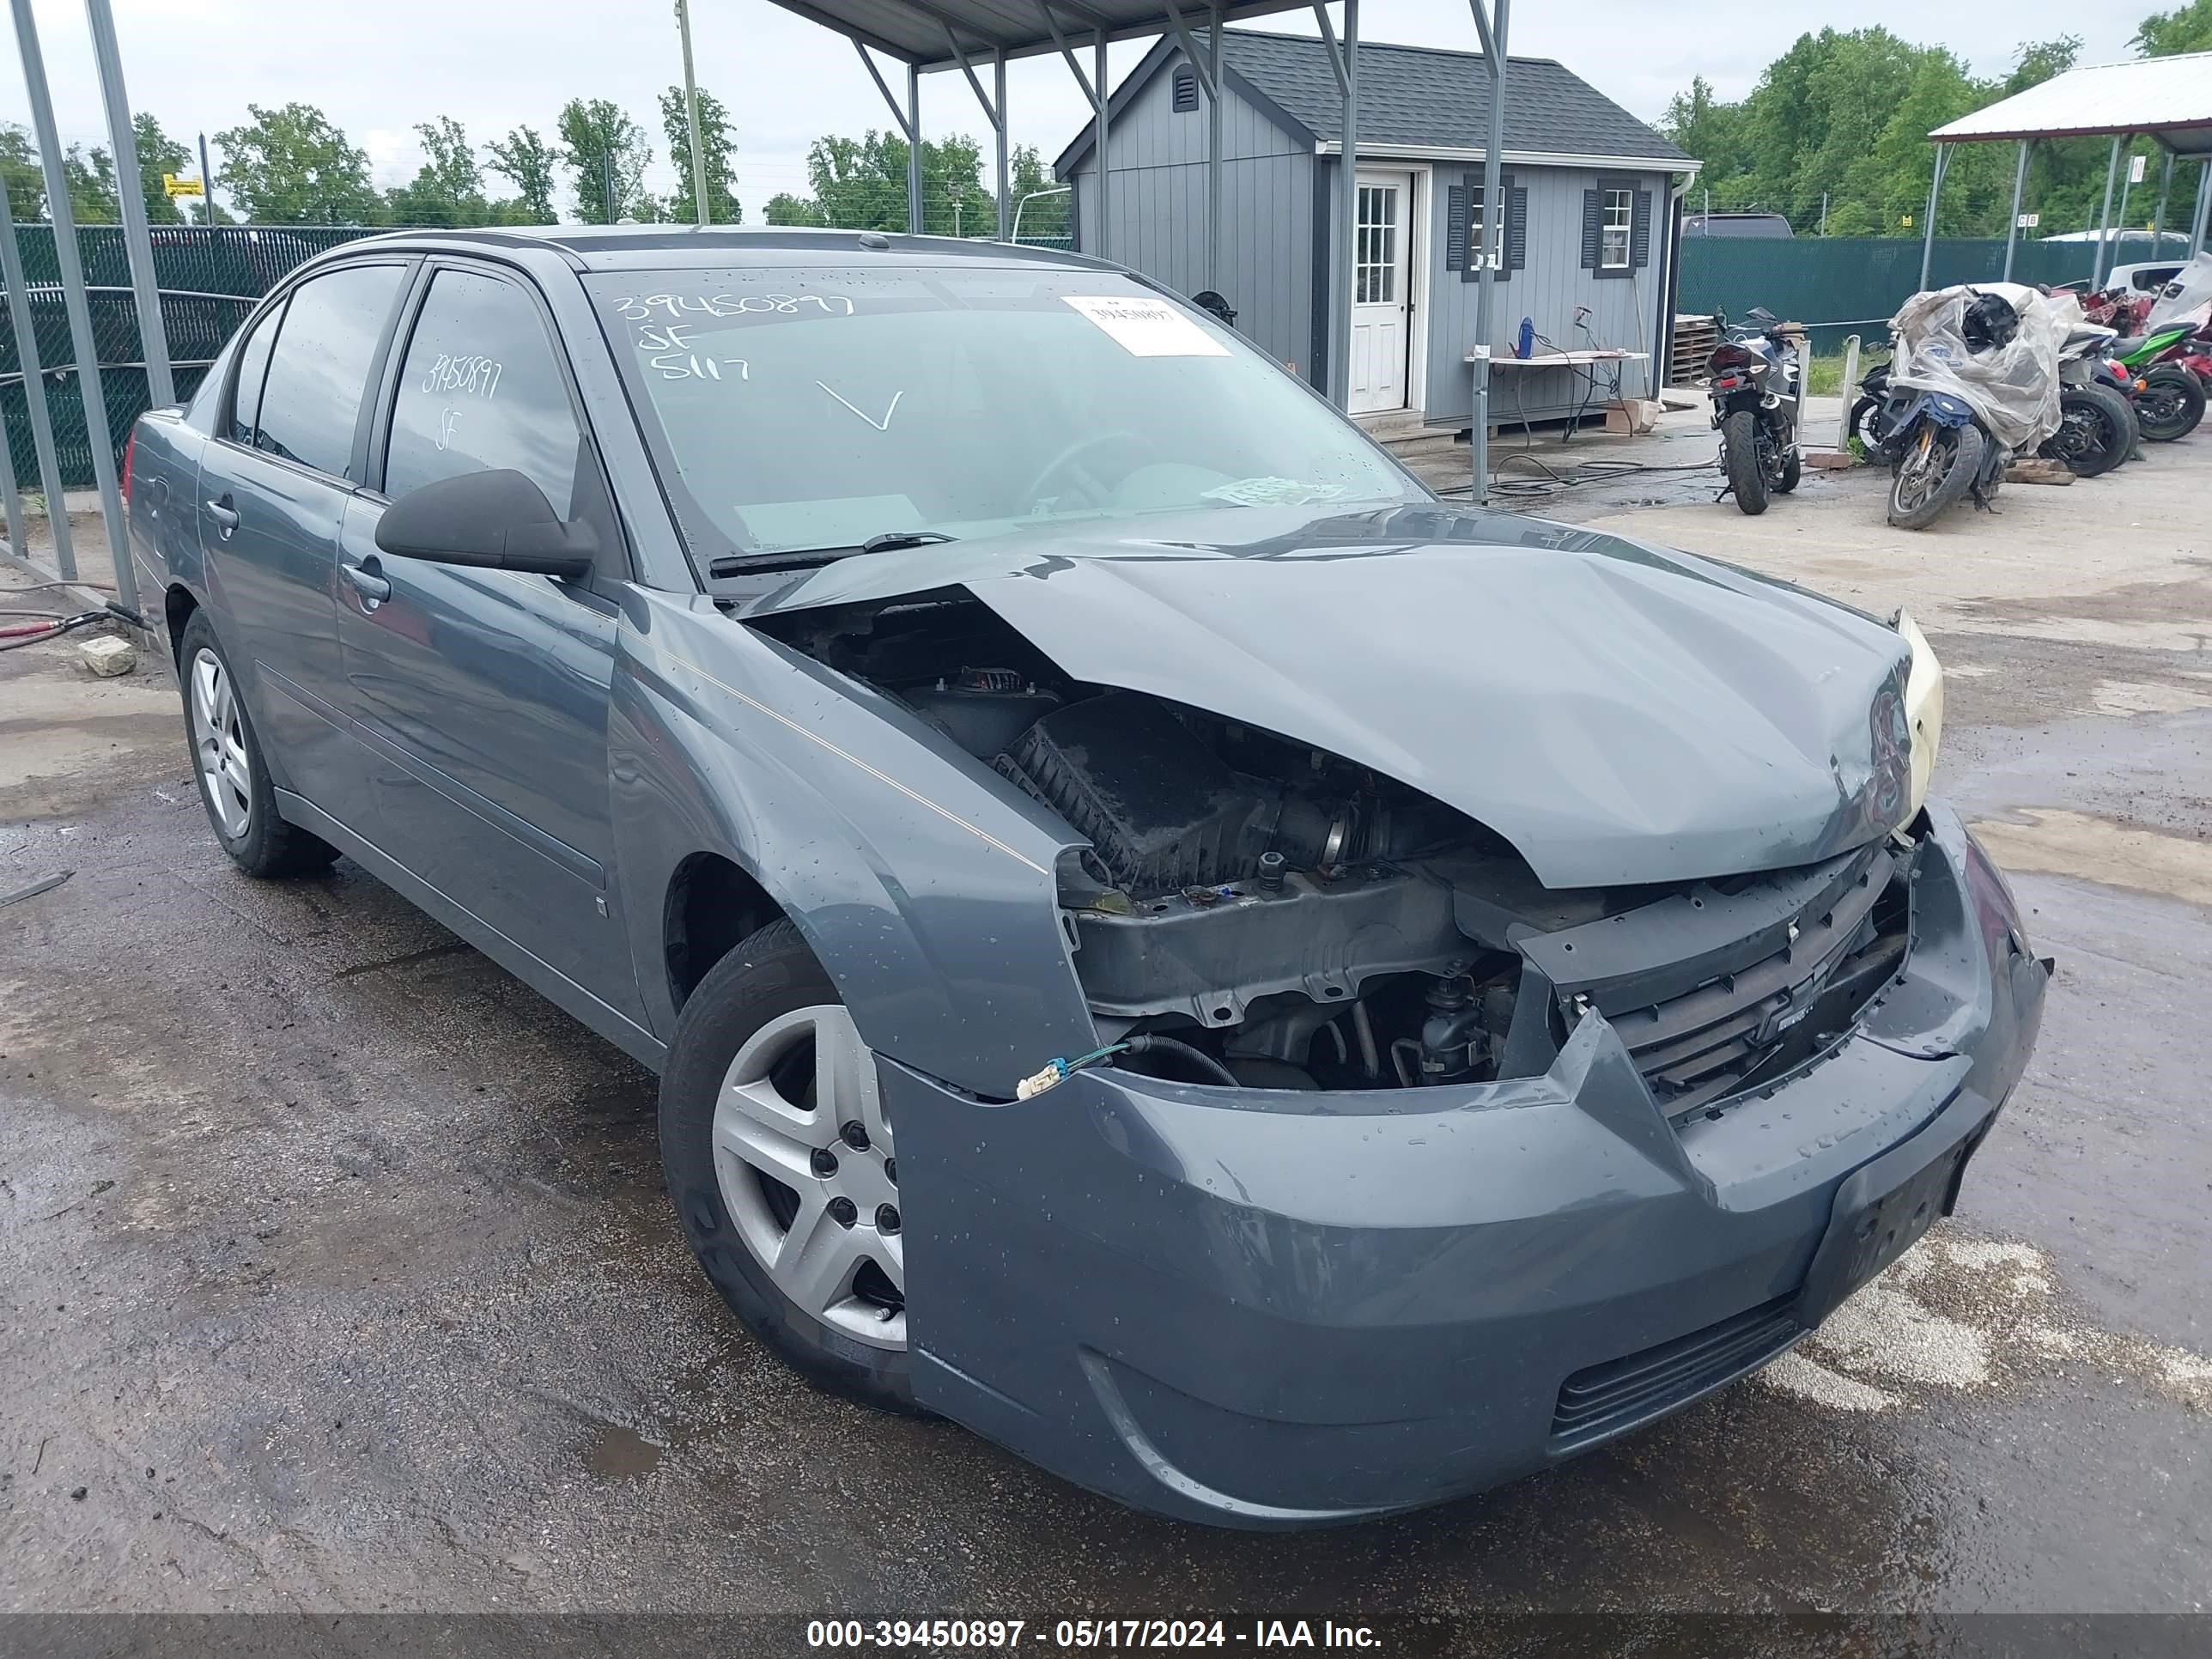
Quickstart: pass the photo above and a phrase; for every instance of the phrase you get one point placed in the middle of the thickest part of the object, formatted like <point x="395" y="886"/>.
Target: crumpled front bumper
<point x="1267" y="1308"/>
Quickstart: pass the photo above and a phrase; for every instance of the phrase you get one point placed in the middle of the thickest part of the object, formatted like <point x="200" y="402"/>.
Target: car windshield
<point x="813" y="410"/>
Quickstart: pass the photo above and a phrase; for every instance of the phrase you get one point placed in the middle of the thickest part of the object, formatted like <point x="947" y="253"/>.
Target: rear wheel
<point x="1793" y="469"/>
<point x="228" y="765"/>
<point x="2094" y="431"/>
<point x="1866" y="423"/>
<point x="1739" y="452"/>
<point x="2170" y="405"/>
<point x="779" y="1157"/>
<point x="1939" y="464"/>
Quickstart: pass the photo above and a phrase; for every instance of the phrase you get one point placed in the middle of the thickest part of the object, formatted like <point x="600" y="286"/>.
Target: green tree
<point x="2186" y="29"/>
<point x="607" y="152"/>
<point x="784" y="209"/>
<point x="722" y="207"/>
<point x="158" y="154"/>
<point x="526" y="161"/>
<point x="448" y="188"/>
<point x="1047" y="215"/>
<point x="18" y="171"/>
<point x="90" y="177"/>
<point x="291" y="166"/>
<point x="860" y="183"/>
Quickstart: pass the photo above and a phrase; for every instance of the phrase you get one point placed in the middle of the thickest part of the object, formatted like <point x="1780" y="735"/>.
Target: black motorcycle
<point x="1936" y="445"/>
<point x="1753" y="384"/>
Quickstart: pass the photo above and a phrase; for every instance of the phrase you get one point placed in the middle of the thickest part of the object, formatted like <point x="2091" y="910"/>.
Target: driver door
<point x="482" y="694"/>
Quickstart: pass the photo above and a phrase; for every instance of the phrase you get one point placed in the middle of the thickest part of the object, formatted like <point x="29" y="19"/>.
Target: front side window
<point x="1620" y="206"/>
<point x="253" y="367"/>
<point x="319" y="373"/>
<point x="480" y="390"/>
<point x="801" y="409"/>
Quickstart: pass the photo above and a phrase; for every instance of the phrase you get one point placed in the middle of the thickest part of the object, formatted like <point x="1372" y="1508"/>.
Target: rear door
<point x="482" y="694"/>
<point x="289" y="451"/>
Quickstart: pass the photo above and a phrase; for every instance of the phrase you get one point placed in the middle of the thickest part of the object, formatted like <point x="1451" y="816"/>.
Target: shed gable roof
<point x="1417" y="97"/>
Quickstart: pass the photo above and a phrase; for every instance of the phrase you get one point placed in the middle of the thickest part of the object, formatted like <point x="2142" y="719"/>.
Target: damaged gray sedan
<point x="1278" y="999"/>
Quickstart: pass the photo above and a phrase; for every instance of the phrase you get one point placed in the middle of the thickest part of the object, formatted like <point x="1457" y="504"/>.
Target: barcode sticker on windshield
<point x="1146" y="328"/>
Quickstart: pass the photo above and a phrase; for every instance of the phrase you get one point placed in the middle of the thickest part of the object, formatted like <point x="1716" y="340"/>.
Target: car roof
<point x="629" y="247"/>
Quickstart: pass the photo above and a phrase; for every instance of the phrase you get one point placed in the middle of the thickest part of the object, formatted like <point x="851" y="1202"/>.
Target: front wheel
<point x="1939" y="464"/>
<point x="2170" y="405"/>
<point x="2094" y="431"/>
<point x="778" y="1156"/>
<point x="1740" y="453"/>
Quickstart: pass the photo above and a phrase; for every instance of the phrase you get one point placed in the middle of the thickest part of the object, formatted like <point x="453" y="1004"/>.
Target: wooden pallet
<point x="1694" y="339"/>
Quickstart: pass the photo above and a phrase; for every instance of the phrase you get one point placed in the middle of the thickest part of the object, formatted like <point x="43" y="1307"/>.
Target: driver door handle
<point x="224" y="514"/>
<point x="367" y="580"/>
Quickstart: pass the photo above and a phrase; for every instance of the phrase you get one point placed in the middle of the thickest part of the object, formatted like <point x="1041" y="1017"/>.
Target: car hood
<point x="1619" y="713"/>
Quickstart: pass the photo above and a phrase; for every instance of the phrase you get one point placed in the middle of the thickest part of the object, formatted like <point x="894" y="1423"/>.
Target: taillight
<point x="1728" y="355"/>
<point x="130" y="444"/>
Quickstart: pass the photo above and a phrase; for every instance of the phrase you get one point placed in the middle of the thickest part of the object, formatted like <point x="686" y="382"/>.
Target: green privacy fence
<point x="210" y="279"/>
<point x="1844" y="285"/>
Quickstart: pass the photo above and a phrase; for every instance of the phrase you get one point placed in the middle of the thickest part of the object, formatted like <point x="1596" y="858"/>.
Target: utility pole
<point x="691" y="118"/>
<point x="607" y="186"/>
<point x="1824" y="213"/>
<point x="1495" y="214"/>
<point x="206" y="185"/>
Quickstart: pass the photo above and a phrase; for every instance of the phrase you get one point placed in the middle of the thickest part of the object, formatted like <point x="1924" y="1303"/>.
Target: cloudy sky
<point x="379" y="68"/>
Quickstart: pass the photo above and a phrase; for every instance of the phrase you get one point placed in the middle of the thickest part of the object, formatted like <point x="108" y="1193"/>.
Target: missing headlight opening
<point x="1271" y="912"/>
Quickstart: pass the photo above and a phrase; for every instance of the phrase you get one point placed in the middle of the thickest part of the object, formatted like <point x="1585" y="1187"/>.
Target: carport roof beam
<point x="913" y="31"/>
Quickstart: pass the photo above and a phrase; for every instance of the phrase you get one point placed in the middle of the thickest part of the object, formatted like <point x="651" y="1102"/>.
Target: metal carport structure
<point x="2166" y="99"/>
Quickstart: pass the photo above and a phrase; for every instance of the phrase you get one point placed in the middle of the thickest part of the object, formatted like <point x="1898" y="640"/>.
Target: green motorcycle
<point x="2169" y="400"/>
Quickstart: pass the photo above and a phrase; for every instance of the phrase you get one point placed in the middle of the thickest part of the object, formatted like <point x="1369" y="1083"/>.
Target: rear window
<point x="311" y="399"/>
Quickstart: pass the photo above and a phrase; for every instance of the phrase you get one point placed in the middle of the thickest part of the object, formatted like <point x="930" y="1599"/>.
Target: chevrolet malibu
<point x="1277" y="998"/>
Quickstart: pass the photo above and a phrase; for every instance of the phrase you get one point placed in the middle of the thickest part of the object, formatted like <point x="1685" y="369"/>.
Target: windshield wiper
<point x="809" y="558"/>
<point x="892" y="540"/>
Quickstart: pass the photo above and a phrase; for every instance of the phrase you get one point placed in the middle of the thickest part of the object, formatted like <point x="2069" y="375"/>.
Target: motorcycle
<point x="2097" y="427"/>
<point x="1940" y="446"/>
<point x="2171" y="402"/>
<point x="1754" y="386"/>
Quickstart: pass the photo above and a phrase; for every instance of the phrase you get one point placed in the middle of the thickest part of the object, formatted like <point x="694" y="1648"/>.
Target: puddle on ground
<point x="616" y="1452"/>
<point x="1967" y="1315"/>
<point x="2062" y="843"/>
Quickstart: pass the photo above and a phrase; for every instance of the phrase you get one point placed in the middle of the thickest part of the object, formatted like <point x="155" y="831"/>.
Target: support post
<point x="1492" y="251"/>
<point x="700" y="213"/>
<point x="1214" y="148"/>
<point x="999" y="120"/>
<point x="2158" y="222"/>
<point x="131" y="200"/>
<point x="207" y="186"/>
<point x="2012" y="225"/>
<point x="1343" y="265"/>
<point x="2120" y="219"/>
<point x="73" y="300"/>
<point x="1934" y="199"/>
<point x="2105" y="219"/>
<point x="34" y="398"/>
<point x="2204" y="204"/>
<point x="913" y="149"/>
<point x="1103" y="105"/>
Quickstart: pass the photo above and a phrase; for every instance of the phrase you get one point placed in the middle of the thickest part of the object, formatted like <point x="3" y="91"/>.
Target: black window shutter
<point x="1515" y="244"/>
<point x="1455" y="230"/>
<point x="1593" y="222"/>
<point x="1186" y="89"/>
<point x="1639" y="233"/>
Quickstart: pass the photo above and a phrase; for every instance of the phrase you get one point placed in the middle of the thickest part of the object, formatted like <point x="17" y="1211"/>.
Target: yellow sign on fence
<point x="177" y="186"/>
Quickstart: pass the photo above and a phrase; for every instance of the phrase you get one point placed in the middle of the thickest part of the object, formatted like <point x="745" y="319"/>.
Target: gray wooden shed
<point x="1591" y="223"/>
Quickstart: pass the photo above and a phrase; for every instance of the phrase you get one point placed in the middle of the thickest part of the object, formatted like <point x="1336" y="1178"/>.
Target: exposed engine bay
<point x="1253" y="910"/>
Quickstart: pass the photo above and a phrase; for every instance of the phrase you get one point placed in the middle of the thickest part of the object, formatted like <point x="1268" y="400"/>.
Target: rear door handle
<point x="366" y="580"/>
<point x="224" y="514"/>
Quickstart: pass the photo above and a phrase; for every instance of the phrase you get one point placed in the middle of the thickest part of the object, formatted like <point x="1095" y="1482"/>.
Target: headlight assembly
<point x="1923" y="708"/>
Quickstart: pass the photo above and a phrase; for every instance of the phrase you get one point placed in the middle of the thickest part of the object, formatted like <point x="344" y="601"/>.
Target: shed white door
<point x="1380" y="291"/>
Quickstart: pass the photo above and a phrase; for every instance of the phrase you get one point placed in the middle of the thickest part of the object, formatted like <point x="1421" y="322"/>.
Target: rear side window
<point x="311" y="400"/>
<point x="480" y="389"/>
<point x="253" y="365"/>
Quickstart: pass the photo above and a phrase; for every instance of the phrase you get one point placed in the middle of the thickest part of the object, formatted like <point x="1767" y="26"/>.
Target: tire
<point x="1866" y="424"/>
<point x="230" y="767"/>
<point x="2095" y="431"/>
<point x="1740" y="451"/>
<point x="1966" y="446"/>
<point x="2170" y="405"/>
<point x="738" y="1098"/>
<point x="1793" y="470"/>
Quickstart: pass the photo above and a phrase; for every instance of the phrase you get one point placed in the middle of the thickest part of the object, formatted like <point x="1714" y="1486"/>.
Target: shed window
<point x="1620" y="216"/>
<point x="1186" y="89"/>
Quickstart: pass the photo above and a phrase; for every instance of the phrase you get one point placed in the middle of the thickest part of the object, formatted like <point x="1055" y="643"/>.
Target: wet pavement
<point x="336" y="1274"/>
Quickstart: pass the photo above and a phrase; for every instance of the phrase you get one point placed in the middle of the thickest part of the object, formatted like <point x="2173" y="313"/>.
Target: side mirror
<point x="1760" y="314"/>
<point x="495" y="520"/>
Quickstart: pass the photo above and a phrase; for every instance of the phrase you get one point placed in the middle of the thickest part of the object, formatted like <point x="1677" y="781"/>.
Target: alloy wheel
<point x="803" y="1159"/>
<point x="1923" y="472"/>
<point x="219" y="746"/>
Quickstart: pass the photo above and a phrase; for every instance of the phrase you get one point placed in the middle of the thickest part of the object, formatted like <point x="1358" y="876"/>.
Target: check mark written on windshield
<point x="884" y="425"/>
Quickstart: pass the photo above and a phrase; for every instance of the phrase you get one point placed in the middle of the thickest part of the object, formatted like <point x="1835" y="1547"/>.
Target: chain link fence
<point x="210" y="278"/>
